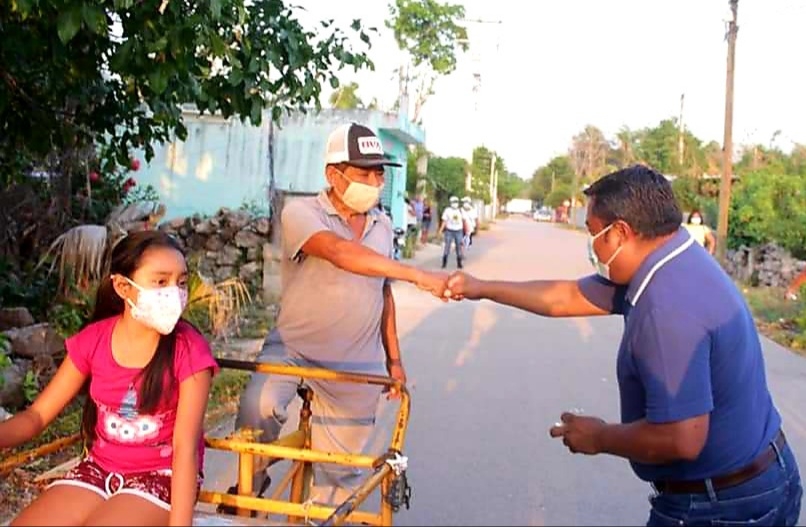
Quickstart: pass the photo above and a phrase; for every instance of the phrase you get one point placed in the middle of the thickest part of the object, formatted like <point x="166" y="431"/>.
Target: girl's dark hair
<point x="157" y="378"/>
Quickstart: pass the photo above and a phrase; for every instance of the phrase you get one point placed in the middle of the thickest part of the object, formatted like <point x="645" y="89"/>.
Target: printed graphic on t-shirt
<point x="126" y="425"/>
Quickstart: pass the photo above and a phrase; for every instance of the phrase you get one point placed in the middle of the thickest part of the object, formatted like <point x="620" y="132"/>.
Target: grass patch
<point x="224" y="395"/>
<point x="777" y="317"/>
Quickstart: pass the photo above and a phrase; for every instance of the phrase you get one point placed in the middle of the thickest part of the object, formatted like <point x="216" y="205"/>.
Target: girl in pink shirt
<point x="149" y="376"/>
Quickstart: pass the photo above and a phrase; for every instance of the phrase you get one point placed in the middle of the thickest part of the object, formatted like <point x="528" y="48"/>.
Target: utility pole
<point x="727" y="147"/>
<point x="492" y="185"/>
<point x="680" y="134"/>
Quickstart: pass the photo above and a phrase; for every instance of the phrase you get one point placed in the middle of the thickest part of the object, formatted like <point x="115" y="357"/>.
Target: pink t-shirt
<point x="126" y="440"/>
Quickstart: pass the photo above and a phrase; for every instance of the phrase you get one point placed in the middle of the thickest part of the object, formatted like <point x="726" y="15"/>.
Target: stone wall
<point x="766" y="265"/>
<point x="226" y="245"/>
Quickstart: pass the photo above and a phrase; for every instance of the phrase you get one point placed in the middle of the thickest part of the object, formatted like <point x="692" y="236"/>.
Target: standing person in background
<point x="700" y="231"/>
<point x="426" y="225"/>
<point x="471" y="218"/>
<point x="454" y="227"/>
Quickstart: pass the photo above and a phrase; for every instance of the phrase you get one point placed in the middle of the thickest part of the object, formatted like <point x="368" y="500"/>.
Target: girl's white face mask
<point x="159" y="308"/>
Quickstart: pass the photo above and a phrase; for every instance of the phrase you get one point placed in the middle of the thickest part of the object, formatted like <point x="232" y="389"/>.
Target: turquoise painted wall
<point x="224" y="163"/>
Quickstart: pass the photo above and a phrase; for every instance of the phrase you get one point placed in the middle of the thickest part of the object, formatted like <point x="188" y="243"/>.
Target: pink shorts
<point x="154" y="486"/>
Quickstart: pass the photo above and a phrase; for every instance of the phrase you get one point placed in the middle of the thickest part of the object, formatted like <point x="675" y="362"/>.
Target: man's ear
<point x="331" y="173"/>
<point x="624" y="230"/>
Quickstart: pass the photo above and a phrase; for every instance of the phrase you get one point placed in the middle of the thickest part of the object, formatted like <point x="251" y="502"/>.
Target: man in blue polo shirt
<point x="697" y="419"/>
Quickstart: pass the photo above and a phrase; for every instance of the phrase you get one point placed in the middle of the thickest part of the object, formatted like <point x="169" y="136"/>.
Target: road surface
<point x="488" y="382"/>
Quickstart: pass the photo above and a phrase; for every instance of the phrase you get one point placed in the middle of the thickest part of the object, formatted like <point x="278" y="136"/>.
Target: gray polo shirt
<point x="329" y="317"/>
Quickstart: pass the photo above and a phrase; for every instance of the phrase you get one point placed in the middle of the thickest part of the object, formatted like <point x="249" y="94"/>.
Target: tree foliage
<point x="430" y="34"/>
<point x="116" y="73"/>
<point x="769" y="195"/>
<point x="345" y="97"/>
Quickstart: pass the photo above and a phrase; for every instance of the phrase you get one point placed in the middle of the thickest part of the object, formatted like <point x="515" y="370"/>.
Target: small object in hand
<point x="791" y="296"/>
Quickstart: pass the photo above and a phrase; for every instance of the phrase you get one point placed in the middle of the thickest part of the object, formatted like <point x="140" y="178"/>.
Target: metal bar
<point x="355" y="499"/>
<point x="310" y="373"/>
<point x="283" y="508"/>
<point x="286" y="481"/>
<point x="338" y="376"/>
<point x="270" y="450"/>
<point x="386" y="507"/>
<point x="12" y="462"/>
<point x="246" y="475"/>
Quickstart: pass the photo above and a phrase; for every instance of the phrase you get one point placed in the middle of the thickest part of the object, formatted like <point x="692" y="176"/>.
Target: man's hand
<point x="398" y="373"/>
<point x="462" y="285"/>
<point x="580" y="433"/>
<point x="434" y="283"/>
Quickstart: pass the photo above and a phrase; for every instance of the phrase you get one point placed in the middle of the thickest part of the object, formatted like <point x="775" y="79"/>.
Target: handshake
<point x="445" y="286"/>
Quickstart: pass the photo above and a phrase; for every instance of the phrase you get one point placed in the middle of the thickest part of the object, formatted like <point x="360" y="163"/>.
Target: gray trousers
<point x="343" y="419"/>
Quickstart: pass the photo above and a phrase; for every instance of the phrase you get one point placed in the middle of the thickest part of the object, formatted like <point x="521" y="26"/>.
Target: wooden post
<point x="727" y="147"/>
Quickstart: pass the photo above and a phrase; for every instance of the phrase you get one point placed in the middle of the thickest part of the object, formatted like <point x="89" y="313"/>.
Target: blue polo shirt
<point x="690" y="347"/>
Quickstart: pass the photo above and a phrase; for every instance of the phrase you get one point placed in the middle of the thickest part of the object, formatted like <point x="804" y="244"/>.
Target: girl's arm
<point x="29" y="423"/>
<point x="189" y="426"/>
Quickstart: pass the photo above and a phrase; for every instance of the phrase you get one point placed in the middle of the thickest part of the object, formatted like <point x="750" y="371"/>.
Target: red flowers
<point x="135" y="164"/>
<point x="128" y="184"/>
<point x="94" y="177"/>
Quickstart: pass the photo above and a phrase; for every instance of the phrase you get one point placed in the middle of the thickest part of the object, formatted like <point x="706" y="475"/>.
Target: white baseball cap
<point x="357" y="145"/>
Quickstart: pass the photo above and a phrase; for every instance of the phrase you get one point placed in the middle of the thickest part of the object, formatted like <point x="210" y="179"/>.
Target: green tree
<point x="428" y="31"/>
<point x="510" y="186"/>
<point x="115" y="73"/>
<point x="480" y="171"/>
<point x="345" y="97"/>
<point x="545" y="179"/>
<point x="446" y="175"/>
<point x="769" y="206"/>
<point x="557" y="196"/>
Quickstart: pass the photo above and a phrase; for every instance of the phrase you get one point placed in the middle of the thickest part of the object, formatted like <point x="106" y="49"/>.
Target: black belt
<point x="746" y="473"/>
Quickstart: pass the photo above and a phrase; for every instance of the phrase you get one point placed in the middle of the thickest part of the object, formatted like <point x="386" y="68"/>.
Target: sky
<point x="552" y="67"/>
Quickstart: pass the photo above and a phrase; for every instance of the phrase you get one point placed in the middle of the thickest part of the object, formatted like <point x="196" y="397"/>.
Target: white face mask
<point x="159" y="308"/>
<point x="603" y="269"/>
<point x="696" y="220"/>
<point x="360" y="197"/>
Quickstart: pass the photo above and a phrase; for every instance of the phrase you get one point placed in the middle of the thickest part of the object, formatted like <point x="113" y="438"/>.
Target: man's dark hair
<point x="638" y="196"/>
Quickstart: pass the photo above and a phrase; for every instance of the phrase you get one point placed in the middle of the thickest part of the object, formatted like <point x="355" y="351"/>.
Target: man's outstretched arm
<point x="356" y="258"/>
<point x="550" y="298"/>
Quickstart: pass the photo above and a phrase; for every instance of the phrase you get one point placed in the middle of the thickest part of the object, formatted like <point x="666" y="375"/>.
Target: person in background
<point x="471" y="218"/>
<point x="454" y="228"/>
<point x="426" y="225"/>
<point x="149" y="376"/>
<point x="700" y="231"/>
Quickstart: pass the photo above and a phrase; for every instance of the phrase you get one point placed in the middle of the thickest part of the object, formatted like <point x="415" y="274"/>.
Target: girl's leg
<point x="128" y="509"/>
<point x="61" y="505"/>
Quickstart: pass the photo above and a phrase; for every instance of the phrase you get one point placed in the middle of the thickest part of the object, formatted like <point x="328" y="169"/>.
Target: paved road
<point x="488" y="381"/>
